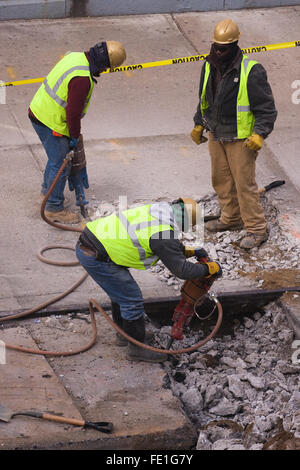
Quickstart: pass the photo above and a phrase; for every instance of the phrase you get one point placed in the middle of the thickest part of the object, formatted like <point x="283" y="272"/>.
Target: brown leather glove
<point x="197" y="135"/>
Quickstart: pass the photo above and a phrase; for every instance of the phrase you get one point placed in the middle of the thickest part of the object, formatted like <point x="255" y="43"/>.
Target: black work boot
<point x="120" y="340"/>
<point x="116" y="316"/>
<point x="136" y="329"/>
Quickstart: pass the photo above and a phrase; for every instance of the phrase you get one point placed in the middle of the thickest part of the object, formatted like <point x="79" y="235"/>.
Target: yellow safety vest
<point x="50" y="101"/>
<point x="244" y="117"/>
<point x="126" y="235"/>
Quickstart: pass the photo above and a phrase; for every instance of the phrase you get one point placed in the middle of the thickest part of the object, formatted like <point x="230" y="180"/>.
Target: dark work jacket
<point x="220" y="116"/>
<point x="164" y="245"/>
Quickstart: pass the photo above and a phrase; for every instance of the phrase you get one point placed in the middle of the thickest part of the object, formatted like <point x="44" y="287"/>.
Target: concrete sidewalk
<point x="50" y="9"/>
<point x="137" y="144"/>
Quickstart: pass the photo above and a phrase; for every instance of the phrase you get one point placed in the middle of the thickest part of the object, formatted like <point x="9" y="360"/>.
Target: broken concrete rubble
<point x="243" y="400"/>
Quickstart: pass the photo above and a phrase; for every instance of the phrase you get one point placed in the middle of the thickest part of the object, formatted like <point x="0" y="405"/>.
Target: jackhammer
<point x="193" y="293"/>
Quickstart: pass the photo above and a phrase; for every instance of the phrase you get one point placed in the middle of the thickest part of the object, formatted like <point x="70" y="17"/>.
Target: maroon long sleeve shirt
<point x="78" y="91"/>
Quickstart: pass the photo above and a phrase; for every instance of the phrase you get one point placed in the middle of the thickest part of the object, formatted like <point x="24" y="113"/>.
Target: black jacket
<point x="164" y="245"/>
<point x="220" y="117"/>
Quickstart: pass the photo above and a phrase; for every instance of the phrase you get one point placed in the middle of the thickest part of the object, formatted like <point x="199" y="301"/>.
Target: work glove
<point x="77" y="182"/>
<point x="80" y="177"/>
<point x="254" y="142"/>
<point x="201" y="253"/>
<point x="214" y="269"/>
<point x="73" y="143"/>
<point x="198" y="252"/>
<point x="197" y="135"/>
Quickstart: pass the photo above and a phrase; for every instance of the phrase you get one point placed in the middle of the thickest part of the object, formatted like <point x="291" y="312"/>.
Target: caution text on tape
<point x="176" y="61"/>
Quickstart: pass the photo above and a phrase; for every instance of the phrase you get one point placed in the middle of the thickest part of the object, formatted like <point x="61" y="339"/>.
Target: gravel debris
<point x="240" y="401"/>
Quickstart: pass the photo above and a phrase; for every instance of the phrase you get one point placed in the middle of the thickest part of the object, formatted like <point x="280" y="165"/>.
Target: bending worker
<point x="237" y="107"/>
<point x="56" y="111"/>
<point x="137" y="238"/>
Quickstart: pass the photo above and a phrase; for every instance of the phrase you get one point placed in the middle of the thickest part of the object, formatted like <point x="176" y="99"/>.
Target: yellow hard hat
<point x="116" y="53"/>
<point x="226" y="32"/>
<point x="192" y="209"/>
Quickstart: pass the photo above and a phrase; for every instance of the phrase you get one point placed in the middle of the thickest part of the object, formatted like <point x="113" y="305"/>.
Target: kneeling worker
<point x="138" y="238"/>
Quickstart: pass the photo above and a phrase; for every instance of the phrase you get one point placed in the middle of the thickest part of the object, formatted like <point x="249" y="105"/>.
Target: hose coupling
<point x="212" y="296"/>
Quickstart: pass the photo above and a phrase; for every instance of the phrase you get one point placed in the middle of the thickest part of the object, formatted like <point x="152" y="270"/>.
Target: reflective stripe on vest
<point x="203" y="100"/>
<point x="126" y="244"/>
<point x="50" y="101"/>
<point x="244" y="116"/>
<point x="131" y="230"/>
<point x="53" y="91"/>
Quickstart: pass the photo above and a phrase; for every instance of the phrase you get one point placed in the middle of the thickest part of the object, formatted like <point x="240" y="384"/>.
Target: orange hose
<point x="44" y="217"/>
<point x="60" y="296"/>
<point x="93" y="302"/>
<point x="61" y="353"/>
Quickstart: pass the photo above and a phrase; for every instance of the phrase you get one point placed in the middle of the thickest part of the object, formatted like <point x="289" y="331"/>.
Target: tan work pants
<point x="233" y="179"/>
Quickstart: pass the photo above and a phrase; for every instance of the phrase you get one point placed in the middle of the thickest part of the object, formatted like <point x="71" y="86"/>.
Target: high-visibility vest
<point x="244" y="117"/>
<point x="126" y="235"/>
<point x="50" y="101"/>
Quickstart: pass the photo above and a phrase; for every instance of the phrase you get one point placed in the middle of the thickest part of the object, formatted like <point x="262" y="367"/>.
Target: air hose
<point x="92" y="303"/>
<point x="60" y="296"/>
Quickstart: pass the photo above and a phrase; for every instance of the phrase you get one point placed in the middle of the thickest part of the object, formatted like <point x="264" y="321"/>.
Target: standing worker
<point x="56" y="111"/>
<point x="137" y="238"/>
<point x="237" y="107"/>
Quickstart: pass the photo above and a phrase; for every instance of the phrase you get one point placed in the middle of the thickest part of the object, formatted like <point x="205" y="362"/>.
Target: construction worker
<point x="56" y="111"/>
<point x="237" y="107"/>
<point x="137" y="238"/>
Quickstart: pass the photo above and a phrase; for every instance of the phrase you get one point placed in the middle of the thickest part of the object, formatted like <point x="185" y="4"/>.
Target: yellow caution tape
<point x="179" y="60"/>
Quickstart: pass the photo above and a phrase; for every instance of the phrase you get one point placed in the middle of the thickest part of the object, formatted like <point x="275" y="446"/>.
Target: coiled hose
<point x="92" y="303"/>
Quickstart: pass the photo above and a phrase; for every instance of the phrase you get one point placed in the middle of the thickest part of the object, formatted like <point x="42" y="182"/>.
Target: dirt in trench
<point x="274" y="279"/>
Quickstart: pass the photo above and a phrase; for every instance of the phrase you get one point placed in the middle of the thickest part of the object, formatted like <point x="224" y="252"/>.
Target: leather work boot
<point x="41" y="197"/>
<point x="219" y="226"/>
<point x="136" y="329"/>
<point x="251" y="240"/>
<point x="64" y="217"/>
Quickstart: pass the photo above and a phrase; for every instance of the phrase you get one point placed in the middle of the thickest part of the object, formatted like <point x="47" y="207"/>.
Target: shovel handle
<point x="102" y="426"/>
<point x="272" y="185"/>
<point x="62" y="419"/>
<point x="50" y="417"/>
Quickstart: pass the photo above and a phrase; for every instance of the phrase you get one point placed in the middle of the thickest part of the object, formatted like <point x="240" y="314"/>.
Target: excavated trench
<point x="241" y="389"/>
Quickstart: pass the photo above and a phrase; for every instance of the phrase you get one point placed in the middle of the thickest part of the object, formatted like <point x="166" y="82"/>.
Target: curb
<point x="51" y="9"/>
<point x="290" y="303"/>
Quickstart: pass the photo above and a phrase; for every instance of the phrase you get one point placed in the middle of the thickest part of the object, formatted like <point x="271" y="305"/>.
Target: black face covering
<point x="222" y="55"/>
<point x="99" y="59"/>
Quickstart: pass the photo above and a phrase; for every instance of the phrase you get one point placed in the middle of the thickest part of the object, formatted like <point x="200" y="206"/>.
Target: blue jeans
<point x="56" y="149"/>
<point x="117" y="282"/>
